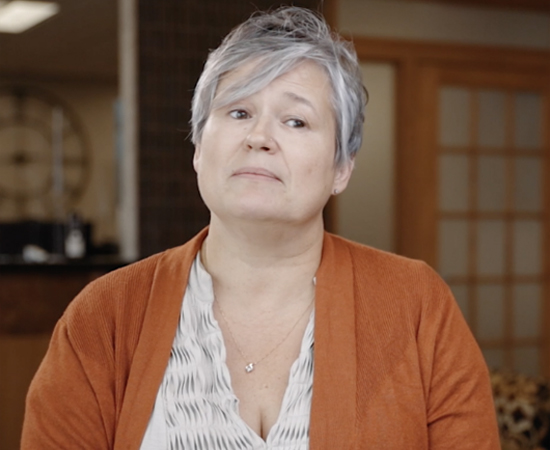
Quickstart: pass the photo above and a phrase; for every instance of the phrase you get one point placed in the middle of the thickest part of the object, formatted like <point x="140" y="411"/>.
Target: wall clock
<point x="44" y="155"/>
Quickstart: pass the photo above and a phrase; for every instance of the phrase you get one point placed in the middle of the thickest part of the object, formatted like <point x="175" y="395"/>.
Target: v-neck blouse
<point x="195" y="405"/>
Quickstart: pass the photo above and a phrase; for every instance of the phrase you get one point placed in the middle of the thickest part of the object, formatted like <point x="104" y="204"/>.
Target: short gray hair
<point x="277" y="42"/>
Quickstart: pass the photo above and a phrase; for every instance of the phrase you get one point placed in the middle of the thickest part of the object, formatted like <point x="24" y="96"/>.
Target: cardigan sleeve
<point x="75" y="397"/>
<point x="96" y="386"/>
<point x="460" y="408"/>
<point x="68" y="404"/>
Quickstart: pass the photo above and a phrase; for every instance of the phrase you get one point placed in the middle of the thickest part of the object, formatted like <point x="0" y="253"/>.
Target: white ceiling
<point x="79" y="43"/>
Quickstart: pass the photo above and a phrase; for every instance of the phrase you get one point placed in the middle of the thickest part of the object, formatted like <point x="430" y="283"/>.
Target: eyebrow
<point x="299" y="99"/>
<point x="221" y="100"/>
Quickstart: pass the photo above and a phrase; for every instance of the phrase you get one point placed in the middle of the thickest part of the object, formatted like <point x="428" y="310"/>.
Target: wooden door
<point x="481" y="197"/>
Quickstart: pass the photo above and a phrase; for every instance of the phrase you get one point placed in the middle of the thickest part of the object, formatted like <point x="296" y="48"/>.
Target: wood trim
<point x="488" y="151"/>
<point x="405" y="128"/>
<point x="473" y="159"/>
<point x="512" y="343"/>
<point x="496" y="79"/>
<point x="417" y="170"/>
<point x="494" y="279"/>
<point x="491" y="215"/>
<point x="508" y="299"/>
<point x="480" y="56"/>
<point x="530" y="5"/>
<point x="545" y="316"/>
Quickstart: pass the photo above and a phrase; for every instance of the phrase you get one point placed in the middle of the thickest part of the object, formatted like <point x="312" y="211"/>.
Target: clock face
<point x="44" y="154"/>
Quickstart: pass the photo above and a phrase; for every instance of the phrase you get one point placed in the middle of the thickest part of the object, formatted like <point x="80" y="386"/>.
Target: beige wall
<point x="93" y="103"/>
<point x="366" y="207"/>
<point x="444" y="22"/>
<point x="366" y="210"/>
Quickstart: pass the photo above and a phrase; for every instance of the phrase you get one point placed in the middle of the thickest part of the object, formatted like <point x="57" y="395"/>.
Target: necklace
<point x="252" y="365"/>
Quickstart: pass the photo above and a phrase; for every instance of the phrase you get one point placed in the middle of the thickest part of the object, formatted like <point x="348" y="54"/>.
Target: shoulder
<point x="388" y="282"/>
<point x="121" y="298"/>
<point x="139" y="273"/>
<point x="108" y="291"/>
<point x="383" y="266"/>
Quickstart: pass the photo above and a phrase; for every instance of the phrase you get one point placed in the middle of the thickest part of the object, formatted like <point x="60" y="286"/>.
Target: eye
<point x="296" y="123"/>
<point x="239" y="114"/>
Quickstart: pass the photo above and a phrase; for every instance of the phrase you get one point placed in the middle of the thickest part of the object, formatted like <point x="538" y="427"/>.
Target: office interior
<point x="454" y="166"/>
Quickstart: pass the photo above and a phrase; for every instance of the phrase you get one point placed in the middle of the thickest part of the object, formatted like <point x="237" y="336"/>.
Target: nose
<point x="260" y="137"/>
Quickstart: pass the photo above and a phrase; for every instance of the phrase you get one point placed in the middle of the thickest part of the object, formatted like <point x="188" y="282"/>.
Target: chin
<point x="262" y="209"/>
<point x="263" y="216"/>
<point x="259" y="214"/>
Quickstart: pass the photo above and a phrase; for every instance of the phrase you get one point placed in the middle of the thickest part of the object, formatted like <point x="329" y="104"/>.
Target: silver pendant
<point x="249" y="367"/>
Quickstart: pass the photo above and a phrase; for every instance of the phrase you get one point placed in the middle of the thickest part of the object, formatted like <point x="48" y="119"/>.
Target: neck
<point x="272" y="263"/>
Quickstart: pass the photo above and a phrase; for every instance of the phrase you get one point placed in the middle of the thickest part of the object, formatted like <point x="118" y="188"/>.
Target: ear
<point x="342" y="175"/>
<point x="196" y="158"/>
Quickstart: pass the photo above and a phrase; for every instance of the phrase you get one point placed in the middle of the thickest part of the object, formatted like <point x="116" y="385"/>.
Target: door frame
<point x="418" y="66"/>
<point x="411" y="60"/>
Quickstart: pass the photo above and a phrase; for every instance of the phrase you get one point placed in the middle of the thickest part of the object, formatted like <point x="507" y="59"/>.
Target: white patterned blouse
<point x="196" y="407"/>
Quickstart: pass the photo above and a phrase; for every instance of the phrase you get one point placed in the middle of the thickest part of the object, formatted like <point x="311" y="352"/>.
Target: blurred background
<point x="95" y="160"/>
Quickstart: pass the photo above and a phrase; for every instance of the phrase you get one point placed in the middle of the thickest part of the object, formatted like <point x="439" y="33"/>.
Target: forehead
<point x="307" y="80"/>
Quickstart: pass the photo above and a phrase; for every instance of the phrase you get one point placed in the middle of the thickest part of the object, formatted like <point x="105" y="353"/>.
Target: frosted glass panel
<point x="527" y="247"/>
<point x="454" y="104"/>
<point x="490" y="247"/>
<point x="494" y="357"/>
<point x="526" y="360"/>
<point x="491" y="183"/>
<point x="490" y="311"/>
<point x="460" y="292"/>
<point x="527" y="310"/>
<point x="453" y="247"/>
<point x="528" y="120"/>
<point x="453" y="183"/>
<point x="492" y="108"/>
<point x="528" y="184"/>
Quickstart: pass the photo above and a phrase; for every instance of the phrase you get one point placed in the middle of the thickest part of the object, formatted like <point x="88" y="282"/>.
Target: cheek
<point x="318" y="175"/>
<point x="322" y="160"/>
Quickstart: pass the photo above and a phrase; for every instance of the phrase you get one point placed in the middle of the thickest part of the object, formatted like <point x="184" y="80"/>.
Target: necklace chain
<point x="251" y="365"/>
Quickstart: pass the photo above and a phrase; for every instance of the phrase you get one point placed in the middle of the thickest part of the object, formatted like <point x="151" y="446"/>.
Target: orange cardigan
<point x="395" y="364"/>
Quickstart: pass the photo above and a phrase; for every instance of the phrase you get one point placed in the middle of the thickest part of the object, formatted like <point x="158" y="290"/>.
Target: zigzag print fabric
<point x="196" y="407"/>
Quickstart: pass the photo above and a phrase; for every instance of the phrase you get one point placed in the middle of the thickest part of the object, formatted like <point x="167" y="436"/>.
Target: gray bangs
<point x="265" y="71"/>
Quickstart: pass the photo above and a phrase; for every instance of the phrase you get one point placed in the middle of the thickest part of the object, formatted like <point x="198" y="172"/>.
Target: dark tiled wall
<point x="174" y="39"/>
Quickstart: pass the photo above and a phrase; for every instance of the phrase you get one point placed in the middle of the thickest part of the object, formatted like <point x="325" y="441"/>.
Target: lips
<point x="256" y="172"/>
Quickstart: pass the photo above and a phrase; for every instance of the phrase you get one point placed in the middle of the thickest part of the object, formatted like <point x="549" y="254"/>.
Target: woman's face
<point x="270" y="156"/>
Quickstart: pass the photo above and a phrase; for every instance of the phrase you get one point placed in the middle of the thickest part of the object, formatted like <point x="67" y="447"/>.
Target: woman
<point x="287" y="337"/>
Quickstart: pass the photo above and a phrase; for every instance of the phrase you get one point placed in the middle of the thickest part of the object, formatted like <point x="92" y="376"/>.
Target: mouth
<point x="256" y="173"/>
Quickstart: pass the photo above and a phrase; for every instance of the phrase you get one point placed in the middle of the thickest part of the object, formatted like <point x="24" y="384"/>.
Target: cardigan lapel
<point x="333" y="410"/>
<point x="155" y="343"/>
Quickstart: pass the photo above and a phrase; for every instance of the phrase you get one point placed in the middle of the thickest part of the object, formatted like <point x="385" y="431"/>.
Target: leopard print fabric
<point x="523" y="409"/>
